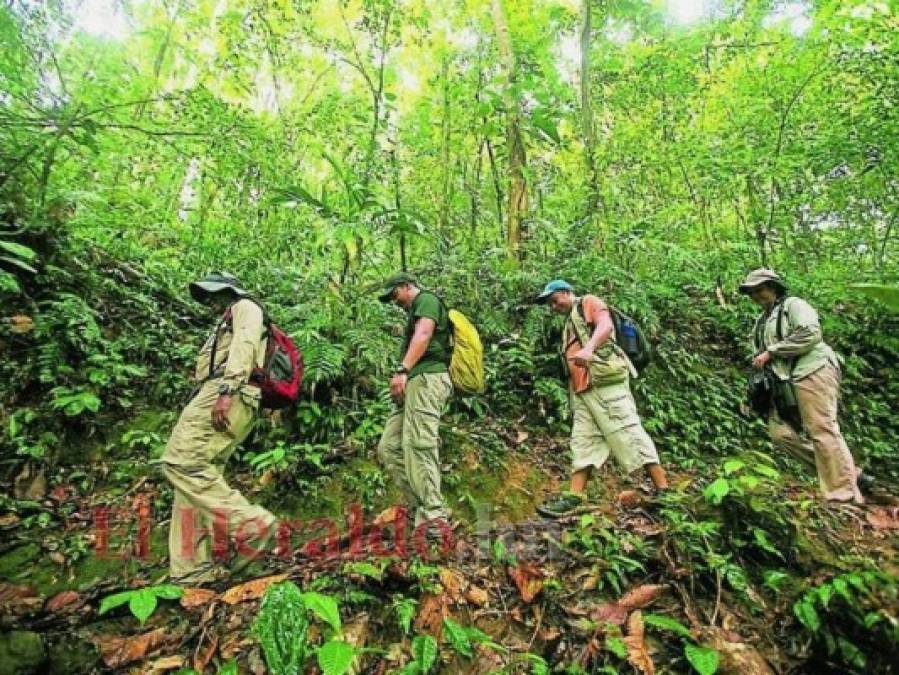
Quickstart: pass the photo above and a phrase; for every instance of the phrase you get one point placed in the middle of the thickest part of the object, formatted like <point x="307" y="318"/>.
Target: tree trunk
<point x="587" y="122"/>
<point x="518" y="194"/>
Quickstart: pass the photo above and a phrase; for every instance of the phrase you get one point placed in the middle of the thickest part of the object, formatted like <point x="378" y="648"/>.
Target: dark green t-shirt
<point x="437" y="356"/>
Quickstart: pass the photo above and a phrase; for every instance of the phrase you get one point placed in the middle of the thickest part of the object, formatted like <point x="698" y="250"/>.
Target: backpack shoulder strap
<point x="780" y="315"/>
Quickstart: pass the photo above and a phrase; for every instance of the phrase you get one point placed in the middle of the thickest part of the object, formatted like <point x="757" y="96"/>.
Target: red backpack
<point x="281" y="373"/>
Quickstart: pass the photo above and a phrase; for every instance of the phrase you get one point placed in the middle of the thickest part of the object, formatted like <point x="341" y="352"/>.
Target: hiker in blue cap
<point x="605" y="419"/>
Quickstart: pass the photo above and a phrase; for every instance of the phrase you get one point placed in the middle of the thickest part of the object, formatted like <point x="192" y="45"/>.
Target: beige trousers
<point x="821" y="447"/>
<point x="206" y="509"/>
<point x="410" y="446"/>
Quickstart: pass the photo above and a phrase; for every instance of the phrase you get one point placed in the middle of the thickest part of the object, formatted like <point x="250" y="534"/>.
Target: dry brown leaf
<point x="196" y="597"/>
<point x="66" y="601"/>
<point x="118" y="651"/>
<point x="477" y="596"/>
<point x="21" y="324"/>
<point x="529" y="579"/>
<point x="203" y="655"/>
<point x="610" y="613"/>
<point x="452" y="582"/>
<point x="883" y="519"/>
<point x="234" y="645"/>
<point x="433" y="609"/>
<point x="9" y="520"/>
<point x="18" y="599"/>
<point x="636" y="646"/>
<point x="386" y="517"/>
<point x="628" y="498"/>
<point x="521" y="437"/>
<point x="641" y="596"/>
<point x="164" y="665"/>
<point x="251" y="590"/>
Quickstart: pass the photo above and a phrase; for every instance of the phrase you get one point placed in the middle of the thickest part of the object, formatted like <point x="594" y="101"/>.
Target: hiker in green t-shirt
<point x="420" y="386"/>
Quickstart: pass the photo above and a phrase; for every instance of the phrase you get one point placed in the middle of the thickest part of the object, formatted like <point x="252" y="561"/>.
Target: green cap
<point x="393" y="282"/>
<point x="215" y="283"/>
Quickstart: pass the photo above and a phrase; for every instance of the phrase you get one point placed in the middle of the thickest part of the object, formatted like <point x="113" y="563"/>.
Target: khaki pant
<point x="822" y="447"/>
<point x="204" y="503"/>
<point x="606" y="421"/>
<point x="410" y="446"/>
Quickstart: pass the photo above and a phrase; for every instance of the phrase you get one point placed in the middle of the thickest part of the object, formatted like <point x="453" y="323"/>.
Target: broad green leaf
<point x="851" y="653"/>
<point x="324" y="607"/>
<point x="15" y="262"/>
<point x="142" y="604"/>
<point x="20" y="251"/>
<point x="616" y="646"/>
<point x="115" y="600"/>
<point x="667" y="623"/>
<point x="281" y="627"/>
<point x="457" y="637"/>
<point x="703" y="659"/>
<point x="717" y="490"/>
<point x="733" y="465"/>
<point x="424" y="651"/>
<point x="168" y="591"/>
<point x="807" y="615"/>
<point x="766" y="471"/>
<point x="335" y="657"/>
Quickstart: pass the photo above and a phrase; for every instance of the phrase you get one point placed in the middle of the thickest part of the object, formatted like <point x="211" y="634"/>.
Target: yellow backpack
<point x="466" y="368"/>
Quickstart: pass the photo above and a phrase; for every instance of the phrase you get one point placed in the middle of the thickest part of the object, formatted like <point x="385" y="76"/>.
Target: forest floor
<point x="633" y="582"/>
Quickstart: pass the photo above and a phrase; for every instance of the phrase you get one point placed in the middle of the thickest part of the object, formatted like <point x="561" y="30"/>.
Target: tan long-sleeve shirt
<point x="802" y="339"/>
<point x="240" y="346"/>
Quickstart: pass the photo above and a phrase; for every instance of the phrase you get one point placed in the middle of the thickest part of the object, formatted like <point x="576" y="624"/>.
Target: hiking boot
<point x="201" y="576"/>
<point x="566" y="504"/>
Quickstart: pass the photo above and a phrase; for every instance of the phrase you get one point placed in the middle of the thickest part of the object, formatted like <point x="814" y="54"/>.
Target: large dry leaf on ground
<point x="251" y="590"/>
<point x="164" y="665"/>
<point x="629" y="498"/>
<point x="737" y="658"/>
<point x="387" y="516"/>
<point x="529" y="579"/>
<point x="118" y="651"/>
<point x="476" y="595"/>
<point x="637" y="655"/>
<point x="17" y="599"/>
<point x="610" y="612"/>
<point x="883" y="519"/>
<point x="452" y="583"/>
<point x="67" y="601"/>
<point x="432" y="610"/>
<point x="641" y="596"/>
<point x="196" y="597"/>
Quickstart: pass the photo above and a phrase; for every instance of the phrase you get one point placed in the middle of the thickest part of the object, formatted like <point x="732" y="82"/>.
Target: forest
<point x="649" y="152"/>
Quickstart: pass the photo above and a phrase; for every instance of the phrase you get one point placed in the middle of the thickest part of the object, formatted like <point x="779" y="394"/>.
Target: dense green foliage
<point x="313" y="147"/>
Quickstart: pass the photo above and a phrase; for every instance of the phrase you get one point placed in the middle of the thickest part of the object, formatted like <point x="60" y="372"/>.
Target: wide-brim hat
<point x="552" y="287"/>
<point x="216" y="282"/>
<point x="758" y="277"/>
<point x="396" y="280"/>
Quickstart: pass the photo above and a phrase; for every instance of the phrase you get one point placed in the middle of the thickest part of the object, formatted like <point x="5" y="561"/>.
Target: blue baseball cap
<point x="552" y="287"/>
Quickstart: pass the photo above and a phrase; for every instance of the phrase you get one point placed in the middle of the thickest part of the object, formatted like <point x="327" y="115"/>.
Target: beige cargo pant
<point x="204" y="503"/>
<point x="822" y="447"/>
<point x="410" y="446"/>
<point x="606" y="422"/>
